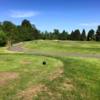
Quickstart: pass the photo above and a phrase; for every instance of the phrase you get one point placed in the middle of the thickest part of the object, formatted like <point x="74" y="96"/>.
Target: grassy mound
<point x="64" y="46"/>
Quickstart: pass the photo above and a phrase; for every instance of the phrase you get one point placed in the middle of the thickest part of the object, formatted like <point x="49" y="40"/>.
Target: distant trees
<point x="55" y="35"/>
<point x="75" y="35"/>
<point x="63" y="35"/>
<point x="98" y="34"/>
<point x="28" y="31"/>
<point x="83" y="35"/>
<point x="91" y="35"/>
<point x="9" y="29"/>
<point x="11" y="33"/>
<point x="2" y="38"/>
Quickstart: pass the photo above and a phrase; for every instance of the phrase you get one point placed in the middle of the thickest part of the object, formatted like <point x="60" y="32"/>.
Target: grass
<point x="30" y="69"/>
<point x="3" y="50"/>
<point x="64" y="46"/>
<point x="80" y="79"/>
<point x="17" y="61"/>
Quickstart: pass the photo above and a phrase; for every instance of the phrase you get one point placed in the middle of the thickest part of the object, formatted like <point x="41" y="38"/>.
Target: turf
<point x="80" y="79"/>
<point x="64" y="46"/>
<point x="30" y="69"/>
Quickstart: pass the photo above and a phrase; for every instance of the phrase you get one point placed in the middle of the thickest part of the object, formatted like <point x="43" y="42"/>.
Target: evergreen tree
<point x="91" y="35"/>
<point x="98" y="34"/>
<point x="75" y="35"/>
<point x="56" y="34"/>
<point x="83" y="35"/>
<point x="63" y="35"/>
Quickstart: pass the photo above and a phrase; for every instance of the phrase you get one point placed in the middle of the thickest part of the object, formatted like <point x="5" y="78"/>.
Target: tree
<point x="56" y="34"/>
<point x="91" y="35"/>
<point x="28" y="31"/>
<point x="72" y="35"/>
<point x="98" y="34"/>
<point x="0" y="26"/>
<point x="24" y="32"/>
<point x="2" y="38"/>
<point x="63" y="35"/>
<point x="83" y="35"/>
<point x="36" y="34"/>
<point x="9" y="29"/>
<point x="46" y="35"/>
<point x="75" y="35"/>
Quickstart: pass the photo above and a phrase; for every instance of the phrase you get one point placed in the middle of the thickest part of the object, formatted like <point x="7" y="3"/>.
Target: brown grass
<point x="68" y="85"/>
<point x="30" y="92"/>
<point x="25" y="62"/>
<point x="6" y="76"/>
<point x="56" y="74"/>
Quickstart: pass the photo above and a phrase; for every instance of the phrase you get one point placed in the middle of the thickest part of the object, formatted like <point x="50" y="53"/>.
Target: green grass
<point x="30" y="69"/>
<point x="82" y="79"/>
<point x="79" y="81"/>
<point x="16" y="61"/>
<point x="64" y="46"/>
<point x="2" y="50"/>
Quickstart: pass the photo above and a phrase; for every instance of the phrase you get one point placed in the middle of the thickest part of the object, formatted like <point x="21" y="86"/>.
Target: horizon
<point x="53" y="14"/>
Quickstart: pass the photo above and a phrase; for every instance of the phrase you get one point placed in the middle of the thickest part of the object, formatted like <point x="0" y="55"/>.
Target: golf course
<point x="50" y="70"/>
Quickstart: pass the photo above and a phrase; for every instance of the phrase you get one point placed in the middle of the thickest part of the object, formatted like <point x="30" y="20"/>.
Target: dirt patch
<point x="18" y="47"/>
<point x="25" y="62"/>
<point x="6" y="76"/>
<point x="30" y="92"/>
<point x="56" y="74"/>
<point x="68" y="85"/>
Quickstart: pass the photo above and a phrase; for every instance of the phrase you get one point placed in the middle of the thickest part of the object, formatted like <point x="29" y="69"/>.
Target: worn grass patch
<point x="6" y="76"/>
<point x="30" y="92"/>
<point x="80" y="81"/>
<point x="31" y="73"/>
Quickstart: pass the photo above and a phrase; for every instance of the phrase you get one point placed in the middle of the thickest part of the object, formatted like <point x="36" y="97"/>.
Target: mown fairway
<point x="24" y="77"/>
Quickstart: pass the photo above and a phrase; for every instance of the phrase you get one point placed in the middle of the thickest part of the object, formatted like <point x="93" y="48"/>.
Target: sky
<point x="53" y="14"/>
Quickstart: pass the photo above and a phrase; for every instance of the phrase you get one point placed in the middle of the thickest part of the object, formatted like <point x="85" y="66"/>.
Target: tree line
<point x="74" y="35"/>
<point x="11" y="33"/>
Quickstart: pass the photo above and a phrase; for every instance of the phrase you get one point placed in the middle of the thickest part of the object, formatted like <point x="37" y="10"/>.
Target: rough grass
<point x="30" y="70"/>
<point x="80" y="81"/>
<point x="62" y="78"/>
<point x="64" y="46"/>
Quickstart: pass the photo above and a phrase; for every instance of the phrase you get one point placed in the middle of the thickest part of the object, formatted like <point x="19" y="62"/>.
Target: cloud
<point x="22" y="14"/>
<point x="89" y="24"/>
